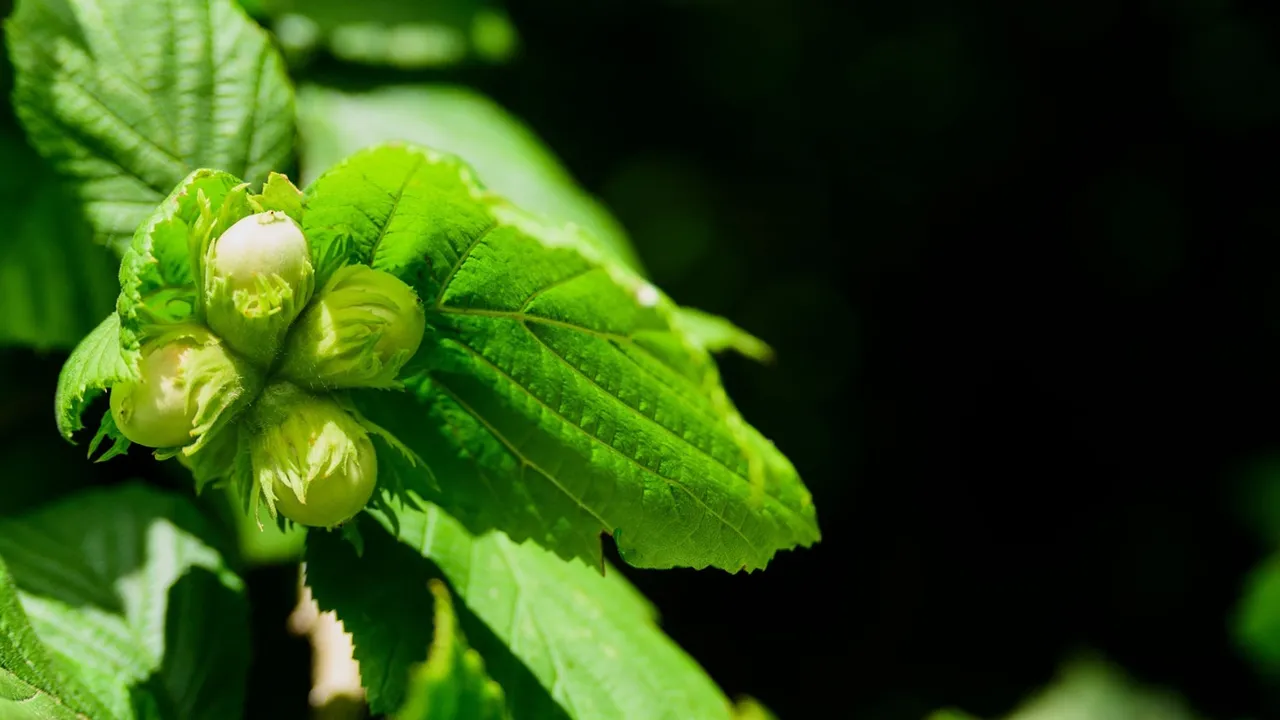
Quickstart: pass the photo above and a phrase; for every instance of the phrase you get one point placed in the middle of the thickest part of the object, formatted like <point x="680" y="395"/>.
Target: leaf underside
<point x="558" y="637"/>
<point x="452" y="684"/>
<point x="132" y="601"/>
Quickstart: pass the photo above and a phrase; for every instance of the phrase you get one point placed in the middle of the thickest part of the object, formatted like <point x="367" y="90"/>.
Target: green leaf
<point x="561" y="639"/>
<point x="126" y="591"/>
<point x="405" y="35"/>
<point x="507" y="155"/>
<point x="107" y="430"/>
<point x="97" y="363"/>
<point x="716" y="334"/>
<point x="265" y="544"/>
<point x="1089" y="689"/>
<point x="1256" y="623"/>
<point x="278" y="194"/>
<point x="54" y="282"/>
<point x="748" y="708"/>
<point x="32" y="685"/>
<point x="555" y="396"/>
<point x="452" y="684"/>
<point x="127" y="98"/>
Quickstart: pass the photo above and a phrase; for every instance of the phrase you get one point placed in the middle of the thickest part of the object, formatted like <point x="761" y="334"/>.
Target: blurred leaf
<point x="951" y="715"/>
<point x="750" y="709"/>
<point x="406" y="35"/>
<point x="127" y="98"/>
<point x="253" y="8"/>
<point x="32" y="685"/>
<point x="1258" y="499"/>
<point x="126" y="591"/>
<point x="1088" y="689"/>
<point x="560" y="638"/>
<point x="557" y="395"/>
<point x="1256" y="624"/>
<point x="508" y="158"/>
<point x="717" y="334"/>
<point x="55" y="284"/>
<point x="452" y="684"/>
<point x="265" y="545"/>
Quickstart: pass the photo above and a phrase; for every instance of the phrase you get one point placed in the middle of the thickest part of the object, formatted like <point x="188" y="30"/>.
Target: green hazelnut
<point x="188" y="381"/>
<point x="358" y="331"/>
<point x="258" y="278"/>
<point x="312" y="461"/>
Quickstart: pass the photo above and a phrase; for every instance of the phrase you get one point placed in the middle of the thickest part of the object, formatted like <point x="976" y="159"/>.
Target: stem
<point x="336" y="692"/>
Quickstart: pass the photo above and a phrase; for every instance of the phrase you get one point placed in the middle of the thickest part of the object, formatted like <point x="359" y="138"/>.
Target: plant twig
<point x="336" y="692"/>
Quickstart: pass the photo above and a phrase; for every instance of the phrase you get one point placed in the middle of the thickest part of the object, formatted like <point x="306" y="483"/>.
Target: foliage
<point x="505" y="153"/>
<point x="552" y="395"/>
<point x="404" y="35"/>
<point x="452" y="683"/>
<point x="126" y="99"/>
<point x="1088" y="689"/>
<point x="53" y="283"/>
<point x="126" y="610"/>
<point x="620" y="423"/>
<point x="487" y="374"/>
<point x="561" y="639"/>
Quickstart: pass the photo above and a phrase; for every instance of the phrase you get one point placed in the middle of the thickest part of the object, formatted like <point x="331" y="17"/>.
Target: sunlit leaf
<point x="127" y="98"/>
<point x="396" y="33"/>
<point x="510" y="159"/>
<point x="556" y="396"/>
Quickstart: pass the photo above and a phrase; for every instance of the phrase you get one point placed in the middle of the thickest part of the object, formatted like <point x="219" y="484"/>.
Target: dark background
<point x="1020" y="267"/>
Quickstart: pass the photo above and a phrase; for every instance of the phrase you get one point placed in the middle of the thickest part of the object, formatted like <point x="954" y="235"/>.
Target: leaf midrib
<point x="395" y="205"/>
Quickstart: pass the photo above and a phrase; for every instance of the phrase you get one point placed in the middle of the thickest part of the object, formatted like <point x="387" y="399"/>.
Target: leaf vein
<point x="614" y="337"/>
<point x="457" y="265"/>
<point x="558" y="667"/>
<point x="515" y="451"/>
<point x="578" y="371"/>
<point x="552" y="285"/>
<point x="673" y="482"/>
<point x="395" y="206"/>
